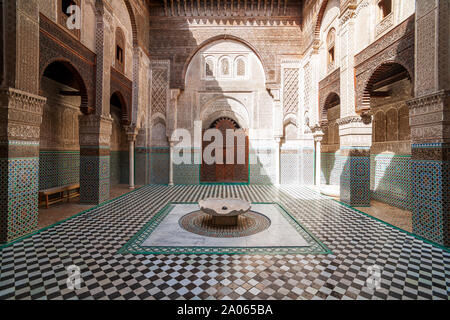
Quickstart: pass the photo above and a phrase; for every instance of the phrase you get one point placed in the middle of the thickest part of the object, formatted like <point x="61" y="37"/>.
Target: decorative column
<point x="96" y="128"/>
<point x="171" y="143"/>
<point x="347" y="57"/>
<point x="277" y="161"/>
<point x="355" y="131"/>
<point x="430" y="124"/>
<point x="131" y="134"/>
<point x="20" y="118"/>
<point x="318" y="136"/>
<point x="172" y="117"/>
<point x="274" y="91"/>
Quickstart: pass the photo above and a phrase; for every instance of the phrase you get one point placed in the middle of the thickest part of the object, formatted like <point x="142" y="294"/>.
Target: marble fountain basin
<point x="225" y="212"/>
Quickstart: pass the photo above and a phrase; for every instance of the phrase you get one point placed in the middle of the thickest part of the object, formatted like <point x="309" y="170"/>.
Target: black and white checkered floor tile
<point x="36" y="267"/>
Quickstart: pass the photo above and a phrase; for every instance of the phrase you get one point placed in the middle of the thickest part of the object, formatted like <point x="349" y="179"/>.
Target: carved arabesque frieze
<point x="95" y="130"/>
<point x="429" y="118"/>
<point x="21" y="114"/>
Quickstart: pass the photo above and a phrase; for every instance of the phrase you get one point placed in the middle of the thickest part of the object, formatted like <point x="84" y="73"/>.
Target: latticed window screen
<point x="290" y="92"/>
<point x="225" y="67"/>
<point x="240" y="67"/>
<point x="209" y="68"/>
<point x="159" y="90"/>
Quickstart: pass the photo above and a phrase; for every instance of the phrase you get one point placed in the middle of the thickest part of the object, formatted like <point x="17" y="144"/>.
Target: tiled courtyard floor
<point x="410" y="268"/>
<point x="64" y="210"/>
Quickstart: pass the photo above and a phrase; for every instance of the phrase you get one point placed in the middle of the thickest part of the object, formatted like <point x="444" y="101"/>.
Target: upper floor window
<point x="240" y="67"/>
<point x="384" y="8"/>
<point x="209" y="68"/>
<point x="225" y="67"/>
<point x="120" y="50"/>
<point x="331" y="46"/>
<point x="221" y="67"/>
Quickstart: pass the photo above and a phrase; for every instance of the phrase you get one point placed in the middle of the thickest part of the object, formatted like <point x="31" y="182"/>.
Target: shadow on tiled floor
<point x="62" y="211"/>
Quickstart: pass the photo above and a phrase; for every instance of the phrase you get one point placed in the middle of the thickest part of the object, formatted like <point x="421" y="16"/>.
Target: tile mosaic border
<point x="134" y="245"/>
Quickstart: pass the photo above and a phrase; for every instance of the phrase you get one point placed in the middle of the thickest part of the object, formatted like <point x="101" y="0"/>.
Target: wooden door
<point x="227" y="172"/>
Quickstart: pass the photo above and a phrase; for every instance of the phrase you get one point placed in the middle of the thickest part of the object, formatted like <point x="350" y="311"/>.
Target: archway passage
<point x="59" y="147"/>
<point x="227" y="171"/>
<point x="119" y="156"/>
<point x="389" y="89"/>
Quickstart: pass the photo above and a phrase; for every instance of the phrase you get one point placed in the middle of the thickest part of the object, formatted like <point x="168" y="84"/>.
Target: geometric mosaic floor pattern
<point x="36" y="267"/>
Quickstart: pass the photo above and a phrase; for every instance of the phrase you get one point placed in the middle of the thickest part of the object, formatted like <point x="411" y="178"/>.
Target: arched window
<point x="331" y="39"/>
<point x="225" y="67"/>
<point x="384" y="8"/>
<point x="209" y="68"/>
<point x="240" y="67"/>
<point x="120" y="50"/>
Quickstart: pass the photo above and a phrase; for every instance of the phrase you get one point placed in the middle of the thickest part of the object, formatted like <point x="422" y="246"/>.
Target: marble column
<point x="171" y="144"/>
<point x="131" y="134"/>
<point x="318" y="136"/>
<point x="277" y="161"/>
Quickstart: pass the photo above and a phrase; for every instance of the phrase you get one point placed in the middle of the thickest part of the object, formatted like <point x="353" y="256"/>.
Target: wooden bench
<point x="59" y="194"/>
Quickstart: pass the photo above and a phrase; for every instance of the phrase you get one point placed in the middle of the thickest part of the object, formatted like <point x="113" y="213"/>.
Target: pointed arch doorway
<point x="227" y="172"/>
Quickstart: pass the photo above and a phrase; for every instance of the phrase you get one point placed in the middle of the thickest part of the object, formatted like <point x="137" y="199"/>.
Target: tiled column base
<point x="355" y="178"/>
<point x="430" y="166"/>
<point x="159" y="163"/>
<point x="20" y="119"/>
<point x="142" y="166"/>
<point x="262" y="166"/>
<point x="18" y="197"/>
<point x="94" y="179"/>
<point x="95" y="134"/>
<point x="431" y="194"/>
<point x="188" y="173"/>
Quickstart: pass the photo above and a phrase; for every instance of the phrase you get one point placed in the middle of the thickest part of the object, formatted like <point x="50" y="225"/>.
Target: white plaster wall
<point x="330" y="20"/>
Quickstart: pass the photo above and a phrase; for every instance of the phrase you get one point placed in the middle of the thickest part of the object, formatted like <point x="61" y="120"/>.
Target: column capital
<point x="20" y="115"/>
<point x="175" y="94"/>
<point x="131" y="132"/>
<point x="95" y="130"/>
<point x="274" y="91"/>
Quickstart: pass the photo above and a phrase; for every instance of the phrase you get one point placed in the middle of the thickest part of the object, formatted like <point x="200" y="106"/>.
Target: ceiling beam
<point x="390" y="80"/>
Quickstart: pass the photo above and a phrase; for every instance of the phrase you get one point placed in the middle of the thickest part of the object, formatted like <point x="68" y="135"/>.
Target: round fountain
<point x="224" y="212"/>
<point x="224" y="218"/>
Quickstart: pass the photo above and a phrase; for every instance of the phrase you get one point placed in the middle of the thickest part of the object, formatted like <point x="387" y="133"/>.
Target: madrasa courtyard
<point x="224" y="150"/>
